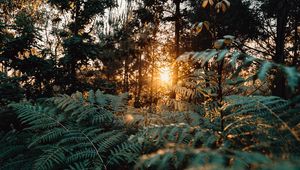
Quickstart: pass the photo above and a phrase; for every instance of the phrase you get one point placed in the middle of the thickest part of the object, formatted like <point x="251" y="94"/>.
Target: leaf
<point x="237" y="80"/>
<point x="234" y="57"/>
<point x="218" y="6"/>
<point x="219" y="43"/>
<point x="222" y="54"/>
<point x="227" y="3"/>
<point x="184" y="57"/>
<point x="199" y="27"/>
<point x="209" y="56"/>
<point x="292" y="77"/>
<point x="206" y="24"/>
<point x="197" y="56"/>
<point x="224" y="8"/>
<point x="91" y="96"/>
<point x="266" y="66"/>
<point x="204" y="3"/>
<point x="248" y="60"/>
<point x="228" y="39"/>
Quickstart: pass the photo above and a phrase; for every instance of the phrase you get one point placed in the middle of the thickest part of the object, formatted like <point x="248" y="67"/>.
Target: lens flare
<point x="165" y="75"/>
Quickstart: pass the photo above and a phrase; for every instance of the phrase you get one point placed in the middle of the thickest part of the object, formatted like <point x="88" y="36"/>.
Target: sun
<point x="165" y="75"/>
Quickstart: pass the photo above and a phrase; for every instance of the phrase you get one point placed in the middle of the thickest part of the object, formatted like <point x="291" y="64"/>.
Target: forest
<point x="149" y="84"/>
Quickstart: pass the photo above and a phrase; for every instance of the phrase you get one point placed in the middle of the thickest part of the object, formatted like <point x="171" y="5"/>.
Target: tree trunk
<point x="71" y="66"/>
<point x="177" y="39"/>
<point x="296" y="37"/>
<point x="279" y="86"/>
<point x="126" y="75"/>
<point x="152" y="81"/>
<point x="139" y="83"/>
<point x="177" y="46"/>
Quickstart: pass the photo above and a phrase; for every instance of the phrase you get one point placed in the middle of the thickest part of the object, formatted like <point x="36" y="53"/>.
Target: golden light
<point x="165" y="75"/>
<point x="128" y="118"/>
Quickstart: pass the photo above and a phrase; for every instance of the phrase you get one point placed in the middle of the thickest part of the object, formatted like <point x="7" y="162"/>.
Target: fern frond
<point x="48" y="137"/>
<point x="260" y="118"/>
<point x="94" y="108"/>
<point x="84" y="154"/>
<point x="19" y="162"/>
<point x="110" y="142"/>
<point x="52" y="157"/>
<point x="37" y="117"/>
<point x="82" y="165"/>
<point x="125" y="152"/>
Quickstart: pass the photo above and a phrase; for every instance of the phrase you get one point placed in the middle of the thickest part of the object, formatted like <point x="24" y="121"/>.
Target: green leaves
<point x="56" y="141"/>
<point x="51" y="157"/>
<point x="219" y="43"/>
<point x="222" y="54"/>
<point x="261" y="118"/>
<point x="67" y="132"/>
<point x="209" y="54"/>
<point x="291" y="73"/>
<point x="262" y="73"/>
<point x="292" y="77"/>
<point x="247" y="61"/>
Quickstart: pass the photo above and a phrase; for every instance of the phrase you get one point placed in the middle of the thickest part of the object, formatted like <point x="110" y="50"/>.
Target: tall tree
<point x="279" y="87"/>
<point x="79" y="45"/>
<point x="282" y="32"/>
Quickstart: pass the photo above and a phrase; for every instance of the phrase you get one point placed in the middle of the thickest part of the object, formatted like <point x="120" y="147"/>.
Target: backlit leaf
<point x="204" y="3"/>
<point x="266" y="66"/>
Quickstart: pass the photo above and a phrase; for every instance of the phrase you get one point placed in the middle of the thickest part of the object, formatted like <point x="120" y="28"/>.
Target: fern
<point x="127" y="151"/>
<point x="11" y="145"/>
<point x="189" y="158"/>
<point x="72" y="132"/>
<point x="260" y="118"/>
<point x="51" y="157"/>
<point x="83" y="132"/>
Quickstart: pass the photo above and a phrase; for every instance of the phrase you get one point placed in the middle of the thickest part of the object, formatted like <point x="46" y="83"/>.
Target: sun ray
<point x="165" y="75"/>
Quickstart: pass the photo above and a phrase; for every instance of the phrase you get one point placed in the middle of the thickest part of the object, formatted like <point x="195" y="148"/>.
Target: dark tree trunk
<point x="71" y="66"/>
<point x="126" y="75"/>
<point x="177" y="39"/>
<point x="220" y="91"/>
<point x="296" y="37"/>
<point x="139" y="83"/>
<point x="177" y="46"/>
<point x="152" y="81"/>
<point x="279" y="86"/>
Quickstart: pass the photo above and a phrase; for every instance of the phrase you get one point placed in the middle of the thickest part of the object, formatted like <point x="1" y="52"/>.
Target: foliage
<point x="219" y="113"/>
<point x="84" y="131"/>
<point x="69" y="132"/>
<point x="10" y="91"/>
<point x="78" y="44"/>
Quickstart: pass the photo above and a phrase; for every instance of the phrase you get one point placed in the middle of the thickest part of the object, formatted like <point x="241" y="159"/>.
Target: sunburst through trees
<point x="149" y="84"/>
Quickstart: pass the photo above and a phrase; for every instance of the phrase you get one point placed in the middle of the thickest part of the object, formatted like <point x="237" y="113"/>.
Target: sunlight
<point x="165" y="75"/>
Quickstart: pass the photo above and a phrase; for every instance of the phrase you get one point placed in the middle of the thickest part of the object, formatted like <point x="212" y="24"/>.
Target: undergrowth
<point x="88" y="131"/>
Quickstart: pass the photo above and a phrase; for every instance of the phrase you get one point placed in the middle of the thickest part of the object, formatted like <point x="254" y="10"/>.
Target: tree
<point x="279" y="87"/>
<point x="20" y="53"/>
<point x="79" y="45"/>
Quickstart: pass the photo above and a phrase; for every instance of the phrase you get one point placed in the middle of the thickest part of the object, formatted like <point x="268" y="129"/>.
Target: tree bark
<point x="126" y="75"/>
<point x="139" y="83"/>
<point x="296" y="37"/>
<point x="177" y="40"/>
<point x="279" y="86"/>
